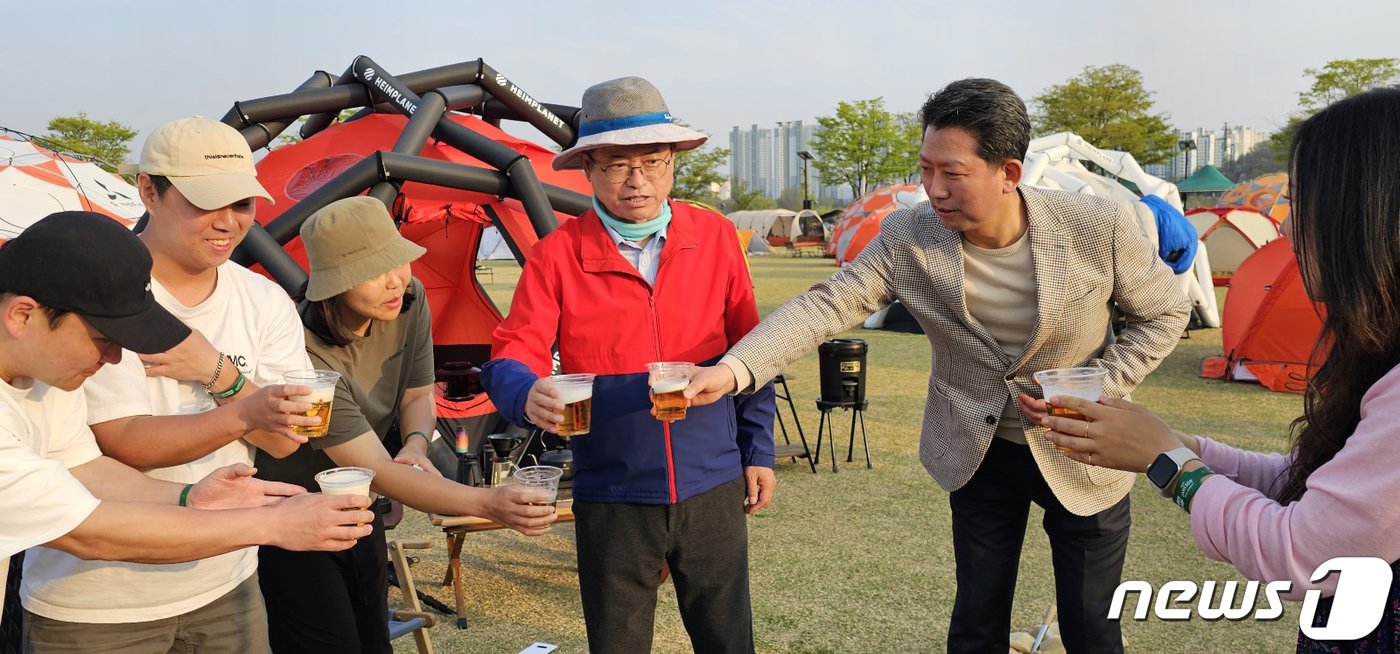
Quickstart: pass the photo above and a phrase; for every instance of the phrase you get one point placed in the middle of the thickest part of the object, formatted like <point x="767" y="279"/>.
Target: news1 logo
<point x="1363" y="586"/>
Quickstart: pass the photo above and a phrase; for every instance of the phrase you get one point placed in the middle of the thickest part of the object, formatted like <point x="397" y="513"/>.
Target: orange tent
<point x="860" y="223"/>
<point x="1268" y="194"/>
<point x="1269" y="325"/>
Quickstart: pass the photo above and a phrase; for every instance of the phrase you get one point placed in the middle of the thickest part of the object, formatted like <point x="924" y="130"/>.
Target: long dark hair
<point x="1346" y="231"/>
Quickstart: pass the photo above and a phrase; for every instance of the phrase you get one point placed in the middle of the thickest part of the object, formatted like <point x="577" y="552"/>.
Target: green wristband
<point x="416" y="433"/>
<point x="1187" y="484"/>
<point x="233" y="390"/>
<point x="185" y="495"/>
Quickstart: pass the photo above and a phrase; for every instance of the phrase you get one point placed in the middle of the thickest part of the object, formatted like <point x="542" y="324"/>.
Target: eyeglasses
<point x="652" y="168"/>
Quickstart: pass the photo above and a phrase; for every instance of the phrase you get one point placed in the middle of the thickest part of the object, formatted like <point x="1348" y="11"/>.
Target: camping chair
<point x="412" y="619"/>
<point x="792" y="250"/>
<point x="787" y="448"/>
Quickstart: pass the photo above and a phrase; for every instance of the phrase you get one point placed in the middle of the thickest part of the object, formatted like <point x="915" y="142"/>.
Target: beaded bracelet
<point x="233" y="390"/>
<point x="209" y="385"/>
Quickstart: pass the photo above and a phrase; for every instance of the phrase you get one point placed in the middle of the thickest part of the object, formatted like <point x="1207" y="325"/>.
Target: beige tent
<point x="1230" y="235"/>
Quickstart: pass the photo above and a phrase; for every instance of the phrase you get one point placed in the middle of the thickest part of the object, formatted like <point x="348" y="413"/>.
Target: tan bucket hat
<point x="625" y="111"/>
<point x="352" y="241"/>
<point x="208" y="161"/>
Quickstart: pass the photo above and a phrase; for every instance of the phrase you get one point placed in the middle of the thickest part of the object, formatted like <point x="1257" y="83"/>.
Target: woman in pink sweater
<point x="1337" y="493"/>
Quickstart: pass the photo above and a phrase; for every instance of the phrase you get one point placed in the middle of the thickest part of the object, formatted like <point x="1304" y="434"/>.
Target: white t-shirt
<point x="999" y="286"/>
<point x="43" y="433"/>
<point x="248" y="318"/>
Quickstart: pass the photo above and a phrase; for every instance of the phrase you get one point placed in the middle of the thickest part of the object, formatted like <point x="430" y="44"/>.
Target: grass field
<point x="861" y="561"/>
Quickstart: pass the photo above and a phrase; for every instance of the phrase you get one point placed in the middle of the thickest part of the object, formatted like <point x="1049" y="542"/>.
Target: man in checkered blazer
<point x="1006" y="280"/>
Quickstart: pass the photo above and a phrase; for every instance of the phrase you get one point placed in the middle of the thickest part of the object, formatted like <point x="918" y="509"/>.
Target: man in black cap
<point x="75" y="290"/>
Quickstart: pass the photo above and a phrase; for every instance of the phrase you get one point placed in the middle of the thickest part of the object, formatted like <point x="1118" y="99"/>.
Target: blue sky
<point x="719" y="64"/>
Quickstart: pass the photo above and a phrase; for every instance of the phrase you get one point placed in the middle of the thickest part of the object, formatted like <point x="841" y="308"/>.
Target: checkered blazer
<point x="1088" y="253"/>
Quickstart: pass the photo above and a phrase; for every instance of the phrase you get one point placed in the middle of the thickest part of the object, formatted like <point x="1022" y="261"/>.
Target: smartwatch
<point x="1165" y="469"/>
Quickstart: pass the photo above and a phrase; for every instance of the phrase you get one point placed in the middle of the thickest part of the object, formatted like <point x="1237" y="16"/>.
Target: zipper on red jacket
<point x="665" y="426"/>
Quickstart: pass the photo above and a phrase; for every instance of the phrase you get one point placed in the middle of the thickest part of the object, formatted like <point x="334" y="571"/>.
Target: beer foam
<point x="316" y="396"/>
<point x="669" y="385"/>
<point x="345" y="481"/>
<point x="571" y="394"/>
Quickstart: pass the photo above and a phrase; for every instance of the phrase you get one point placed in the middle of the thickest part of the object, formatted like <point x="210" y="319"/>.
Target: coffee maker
<point x="502" y="446"/>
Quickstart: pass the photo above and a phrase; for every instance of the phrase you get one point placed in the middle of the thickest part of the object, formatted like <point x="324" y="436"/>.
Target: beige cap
<point x="208" y="161"/>
<point x="352" y="241"/>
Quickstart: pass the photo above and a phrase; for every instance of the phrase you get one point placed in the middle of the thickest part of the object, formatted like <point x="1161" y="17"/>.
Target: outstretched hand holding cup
<point x="1085" y="383"/>
<point x="668" y="380"/>
<point x="321" y="396"/>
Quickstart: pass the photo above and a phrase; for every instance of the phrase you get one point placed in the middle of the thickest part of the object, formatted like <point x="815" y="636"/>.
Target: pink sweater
<point x="1351" y="507"/>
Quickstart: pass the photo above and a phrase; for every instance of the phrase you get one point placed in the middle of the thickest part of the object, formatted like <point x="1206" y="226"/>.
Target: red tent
<point x="447" y="221"/>
<point x="1269" y="325"/>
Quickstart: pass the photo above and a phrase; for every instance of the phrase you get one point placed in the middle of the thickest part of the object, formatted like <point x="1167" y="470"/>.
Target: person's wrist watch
<point x="1167" y="467"/>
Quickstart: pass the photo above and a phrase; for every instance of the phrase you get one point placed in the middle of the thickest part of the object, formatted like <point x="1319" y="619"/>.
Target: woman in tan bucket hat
<point x="367" y="318"/>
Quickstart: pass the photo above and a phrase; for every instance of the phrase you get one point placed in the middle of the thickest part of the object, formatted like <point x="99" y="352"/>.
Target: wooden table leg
<point x="454" y="575"/>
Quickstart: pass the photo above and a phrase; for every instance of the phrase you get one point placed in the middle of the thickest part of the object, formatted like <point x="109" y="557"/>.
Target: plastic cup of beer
<point x="348" y="480"/>
<point x="322" y="385"/>
<point x="668" y="380"/>
<point x="576" y="392"/>
<point x="542" y="478"/>
<point x="1086" y="383"/>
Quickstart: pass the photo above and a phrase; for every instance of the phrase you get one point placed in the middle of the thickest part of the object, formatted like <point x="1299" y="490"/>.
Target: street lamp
<point x="805" y="155"/>
<point x="1186" y="145"/>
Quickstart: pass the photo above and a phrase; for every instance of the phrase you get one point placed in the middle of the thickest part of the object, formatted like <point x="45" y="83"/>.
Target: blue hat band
<point x="626" y="122"/>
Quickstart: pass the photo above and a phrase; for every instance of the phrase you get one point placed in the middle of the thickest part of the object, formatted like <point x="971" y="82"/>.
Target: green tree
<point x="863" y="146"/>
<point x="1262" y="160"/>
<point x="744" y="197"/>
<point x="1111" y="108"/>
<point x="108" y="143"/>
<point x="697" y="174"/>
<point x="1337" y="79"/>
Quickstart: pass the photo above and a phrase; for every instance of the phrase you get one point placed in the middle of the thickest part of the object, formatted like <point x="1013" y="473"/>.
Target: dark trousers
<point x="704" y="540"/>
<point x="328" y="601"/>
<point x="989" y="525"/>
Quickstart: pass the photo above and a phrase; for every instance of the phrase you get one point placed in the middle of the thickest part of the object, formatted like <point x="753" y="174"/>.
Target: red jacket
<point x="577" y="289"/>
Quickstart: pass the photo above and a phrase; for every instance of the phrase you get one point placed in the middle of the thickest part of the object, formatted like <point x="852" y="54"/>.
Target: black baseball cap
<point x="90" y="264"/>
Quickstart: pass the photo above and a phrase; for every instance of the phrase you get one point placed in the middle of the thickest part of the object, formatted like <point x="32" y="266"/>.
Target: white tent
<point x="766" y="222"/>
<point x="35" y="182"/>
<point x="493" y="246"/>
<point x="1055" y="161"/>
<point x="1232" y="234"/>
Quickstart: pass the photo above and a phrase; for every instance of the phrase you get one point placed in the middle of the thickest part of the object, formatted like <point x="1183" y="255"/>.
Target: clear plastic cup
<point x="322" y="384"/>
<point x="348" y="480"/>
<point x="668" y="380"/>
<point x="1086" y="383"/>
<point x="542" y="478"/>
<point x="576" y="392"/>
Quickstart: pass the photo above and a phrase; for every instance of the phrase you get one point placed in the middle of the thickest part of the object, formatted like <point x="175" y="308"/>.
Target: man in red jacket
<point x="636" y="280"/>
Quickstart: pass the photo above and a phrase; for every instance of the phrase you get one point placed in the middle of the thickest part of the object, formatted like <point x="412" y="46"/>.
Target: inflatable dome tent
<point x="36" y="181"/>
<point x="428" y="145"/>
<point x="1267" y="194"/>
<point x="860" y="222"/>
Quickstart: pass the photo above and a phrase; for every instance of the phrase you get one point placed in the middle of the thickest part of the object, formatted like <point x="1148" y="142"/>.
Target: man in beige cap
<point x="178" y="415"/>
<point x="642" y="279"/>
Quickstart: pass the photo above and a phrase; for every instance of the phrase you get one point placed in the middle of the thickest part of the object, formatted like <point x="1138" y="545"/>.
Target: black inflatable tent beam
<point x="265" y="247"/>
<point x="525" y="184"/>
<point x="555" y="121"/>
